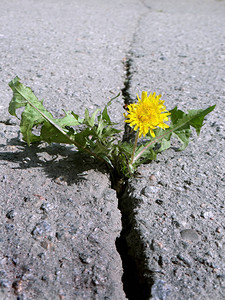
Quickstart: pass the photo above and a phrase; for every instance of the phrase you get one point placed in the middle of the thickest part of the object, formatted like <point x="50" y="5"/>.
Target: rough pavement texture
<point x="175" y="211"/>
<point x="59" y="215"/>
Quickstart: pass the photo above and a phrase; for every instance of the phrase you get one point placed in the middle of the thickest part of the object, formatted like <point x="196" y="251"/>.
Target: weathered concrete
<point x="59" y="216"/>
<point x="175" y="211"/>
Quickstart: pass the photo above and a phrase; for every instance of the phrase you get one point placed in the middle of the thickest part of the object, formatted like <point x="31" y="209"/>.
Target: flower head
<point x="149" y="113"/>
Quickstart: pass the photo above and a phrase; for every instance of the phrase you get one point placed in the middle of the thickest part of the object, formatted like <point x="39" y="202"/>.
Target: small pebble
<point x="9" y="226"/>
<point x="27" y="199"/>
<point x="148" y="190"/>
<point x="5" y="283"/>
<point x="2" y="273"/>
<point x="159" y="202"/>
<point x="152" y="178"/>
<point x="41" y="255"/>
<point x="47" y="245"/>
<point x="218" y="229"/>
<point x="45" y="207"/>
<point x="11" y="214"/>
<point x="41" y="228"/>
<point x="73" y="229"/>
<point x="85" y="258"/>
<point x="189" y="235"/>
<point x="17" y="285"/>
<point x="184" y="259"/>
<point x="15" y="261"/>
<point x="44" y="278"/>
<point x="207" y="214"/>
<point x="59" y="234"/>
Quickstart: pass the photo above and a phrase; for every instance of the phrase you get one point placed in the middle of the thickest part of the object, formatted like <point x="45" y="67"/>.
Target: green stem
<point x="151" y="143"/>
<point x="135" y="146"/>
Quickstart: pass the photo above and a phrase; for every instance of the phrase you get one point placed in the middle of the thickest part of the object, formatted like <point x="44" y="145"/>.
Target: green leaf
<point x="86" y="117"/>
<point x="35" y="115"/>
<point x="105" y="115"/>
<point x="19" y="99"/>
<point x="108" y="161"/>
<point x="100" y="127"/>
<point x="52" y="135"/>
<point x="179" y="127"/>
<point x="110" y="131"/>
<point x="77" y="117"/>
<point x="68" y="120"/>
<point x="181" y="123"/>
<point x="90" y="121"/>
<point x="164" y="143"/>
<point x="29" y="119"/>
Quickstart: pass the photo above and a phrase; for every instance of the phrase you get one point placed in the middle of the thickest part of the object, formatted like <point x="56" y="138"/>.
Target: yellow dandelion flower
<point x="148" y="114"/>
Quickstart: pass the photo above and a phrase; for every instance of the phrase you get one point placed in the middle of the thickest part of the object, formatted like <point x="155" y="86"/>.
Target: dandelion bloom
<point x="149" y="113"/>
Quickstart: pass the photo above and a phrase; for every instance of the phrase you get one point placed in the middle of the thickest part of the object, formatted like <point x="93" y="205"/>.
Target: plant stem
<point x="135" y="146"/>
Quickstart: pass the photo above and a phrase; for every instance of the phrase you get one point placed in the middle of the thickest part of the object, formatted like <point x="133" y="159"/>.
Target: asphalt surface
<point x="64" y="232"/>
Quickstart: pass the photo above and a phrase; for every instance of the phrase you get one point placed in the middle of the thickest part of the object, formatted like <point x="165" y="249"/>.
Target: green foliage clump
<point x="96" y="134"/>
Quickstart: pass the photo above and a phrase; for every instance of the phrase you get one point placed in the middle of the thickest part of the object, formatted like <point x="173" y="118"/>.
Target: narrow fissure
<point x="136" y="280"/>
<point x="125" y="94"/>
<point x="128" y="76"/>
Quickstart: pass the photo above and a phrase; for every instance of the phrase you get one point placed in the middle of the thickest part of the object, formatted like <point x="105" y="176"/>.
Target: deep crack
<point x="135" y="284"/>
<point x="126" y="95"/>
<point x="128" y="76"/>
<point x="137" y="278"/>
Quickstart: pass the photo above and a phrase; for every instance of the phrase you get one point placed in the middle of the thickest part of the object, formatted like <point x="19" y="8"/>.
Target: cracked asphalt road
<point x="59" y="215"/>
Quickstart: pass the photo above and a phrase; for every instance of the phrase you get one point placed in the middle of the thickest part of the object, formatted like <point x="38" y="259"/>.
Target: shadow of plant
<point x="59" y="162"/>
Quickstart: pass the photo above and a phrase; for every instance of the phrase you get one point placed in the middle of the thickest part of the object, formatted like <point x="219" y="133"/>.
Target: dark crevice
<point x="128" y="76"/>
<point x="126" y="95"/>
<point x="7" y="122"/>
<point x="137" y="280"/>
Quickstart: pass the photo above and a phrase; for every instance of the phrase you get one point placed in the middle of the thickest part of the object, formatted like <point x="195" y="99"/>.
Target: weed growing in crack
<point x="97" y="135"/>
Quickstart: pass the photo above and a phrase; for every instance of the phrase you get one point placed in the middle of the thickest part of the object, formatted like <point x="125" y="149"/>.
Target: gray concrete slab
<point x="59" y="216"/>
<point x="176" y="209"/>
<point x="71" y="53"/>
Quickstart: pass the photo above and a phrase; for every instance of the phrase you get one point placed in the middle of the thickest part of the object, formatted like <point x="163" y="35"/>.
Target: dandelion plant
<point x="98" y="136"/>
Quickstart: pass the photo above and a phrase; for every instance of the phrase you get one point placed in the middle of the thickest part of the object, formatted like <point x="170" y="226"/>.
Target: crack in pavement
<point x="136" y="286"/>
<point x="159" y="260"/>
